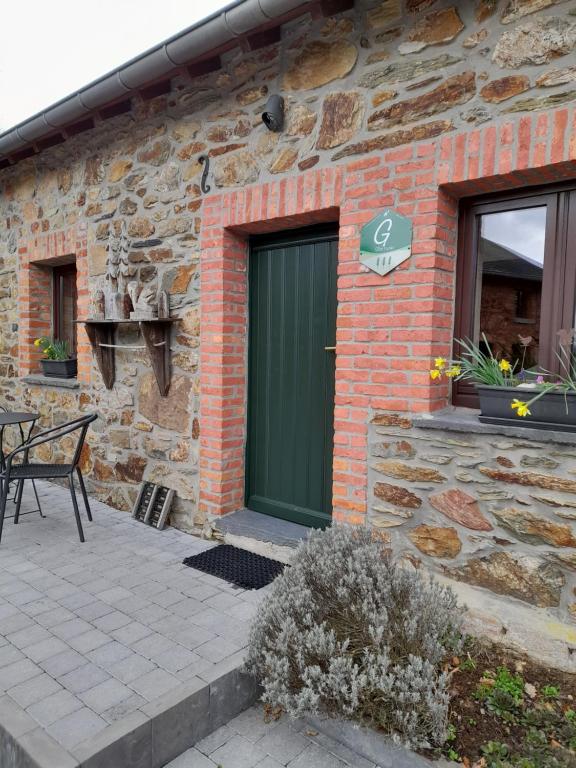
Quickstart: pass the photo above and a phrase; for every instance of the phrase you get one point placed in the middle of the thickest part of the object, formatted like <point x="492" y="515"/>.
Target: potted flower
<point x="57" y="362"/>
<point x="509" y="393"/>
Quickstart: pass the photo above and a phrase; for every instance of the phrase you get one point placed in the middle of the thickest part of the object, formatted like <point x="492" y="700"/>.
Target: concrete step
<point x="148" y="738"/>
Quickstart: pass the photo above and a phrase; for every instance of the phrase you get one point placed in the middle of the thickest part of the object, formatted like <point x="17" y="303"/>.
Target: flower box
<point x="554" y="410"/>
<point x="60" y="369"/>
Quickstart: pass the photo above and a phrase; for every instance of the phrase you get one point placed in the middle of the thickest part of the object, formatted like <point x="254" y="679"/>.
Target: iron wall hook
<point x="205" y="161"/>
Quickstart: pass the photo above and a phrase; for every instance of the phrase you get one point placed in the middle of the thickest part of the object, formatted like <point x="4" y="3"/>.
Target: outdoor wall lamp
<point x="273" y="115"/>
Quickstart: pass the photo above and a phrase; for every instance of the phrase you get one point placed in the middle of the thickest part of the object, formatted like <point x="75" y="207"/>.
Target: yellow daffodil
<point x="520" y="407"/>
<point x="37" y="342"/>
<point x="440" y="363"/>
<point x="505" y="366"/>
<point x="455" y="370"/>
<point x="435" y="374"/>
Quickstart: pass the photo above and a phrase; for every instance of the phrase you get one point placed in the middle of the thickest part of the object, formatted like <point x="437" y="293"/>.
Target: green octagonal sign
<point x="386" y="241"/>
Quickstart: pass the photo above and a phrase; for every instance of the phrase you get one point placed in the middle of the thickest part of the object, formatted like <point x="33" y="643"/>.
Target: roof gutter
<point x="234" y="21"/>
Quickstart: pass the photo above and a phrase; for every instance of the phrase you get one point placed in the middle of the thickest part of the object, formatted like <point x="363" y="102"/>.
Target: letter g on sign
<point x="383" y="232"/>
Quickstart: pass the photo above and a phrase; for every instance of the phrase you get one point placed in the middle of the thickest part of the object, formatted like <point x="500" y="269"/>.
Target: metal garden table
<point x="19" y="419"/>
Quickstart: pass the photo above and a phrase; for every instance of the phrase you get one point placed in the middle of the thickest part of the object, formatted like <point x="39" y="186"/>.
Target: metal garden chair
<point x="28" y="470"/>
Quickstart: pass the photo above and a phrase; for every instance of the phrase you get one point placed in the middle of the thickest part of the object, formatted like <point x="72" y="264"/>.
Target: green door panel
<point x="291" y="377"/>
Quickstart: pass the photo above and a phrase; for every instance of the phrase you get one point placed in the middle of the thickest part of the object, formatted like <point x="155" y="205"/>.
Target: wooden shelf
<point x="156" y="336"/>
<point x="156" y="320"/>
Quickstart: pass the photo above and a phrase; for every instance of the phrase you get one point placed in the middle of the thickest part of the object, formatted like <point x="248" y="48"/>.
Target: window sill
<point x="46" y="381"/>
<point x="466" y="420"/>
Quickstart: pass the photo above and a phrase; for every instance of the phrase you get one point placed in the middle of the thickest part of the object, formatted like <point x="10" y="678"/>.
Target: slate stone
<point x="342" y="114"/>
<point x="405" y="514"/>
<point x="131" y="470"/>
<point x="400" y="71"/>
<point x="417" y="6"/>
<point x="535" y="42"/>
<point x="402" y="471"/>
<point x="554" y="501"/>
<point x="476" y="115"/>
<point x="383" y="14"/>
<point x="435" y="28"/>
<point x="383" y="96"/>
<point x="475" y="38"/>
<point x="284" y="160"/>
<point x="566" y="558"/>
<point x="320" y="63"/>
<point x="455" y="90"/>
<point x="527" y="578"/>
<point x="217" y="151"/>
<point x="459" y="506"/>
<point x="191" y="150"/>
<point x="535" y="529"/>
<point x="541" y="102"/>
<point x="556" y="77"/>
<point x="548" y="482"/>
<point x="157" y="154"/>
<point x="504" y="88"/>
<point x="308" y="162"/>
<point x="395" y="494"/>
<point x="392" y="420"/>
<point x="539" y="461"/>
<point x="171" y="412"/>
<point x="399" y="449"/>
<point x="141" y="227"/>
<point x="251" y="95"/>
<point x="396" y="138"/>
<point x="484" y="9"/>
<point x="504" y="461"/>
<point x="436" y="542"/>
<point x="300" y="120"/>
<point x="236" y="169"/>
<point x="516" y="9"/>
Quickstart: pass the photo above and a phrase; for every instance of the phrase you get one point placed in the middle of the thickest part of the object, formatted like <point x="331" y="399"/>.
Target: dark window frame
<point x="559" y="278"/>
<point x="58" y="273"/>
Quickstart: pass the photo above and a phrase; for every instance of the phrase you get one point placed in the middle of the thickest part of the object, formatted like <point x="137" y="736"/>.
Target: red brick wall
<point x="388" y="328"/>
<point x="35" y="295"/>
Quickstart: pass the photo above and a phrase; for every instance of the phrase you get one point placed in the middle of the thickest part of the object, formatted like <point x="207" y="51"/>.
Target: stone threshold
<point x="259" y="533"/>
<point x="147" y="738"/>
<point x="466" y="420"/>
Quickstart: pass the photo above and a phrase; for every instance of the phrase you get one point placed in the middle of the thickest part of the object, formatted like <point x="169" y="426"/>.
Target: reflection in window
<point x="64" y="305"/>
<point x="509" y="281"/>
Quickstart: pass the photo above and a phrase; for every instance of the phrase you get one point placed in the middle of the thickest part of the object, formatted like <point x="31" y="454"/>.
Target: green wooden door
<point x="291" y="376"/>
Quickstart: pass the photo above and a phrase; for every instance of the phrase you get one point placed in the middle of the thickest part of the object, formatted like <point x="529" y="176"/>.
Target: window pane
<point x="65" y="306"/>
<point x="509" y="281"/>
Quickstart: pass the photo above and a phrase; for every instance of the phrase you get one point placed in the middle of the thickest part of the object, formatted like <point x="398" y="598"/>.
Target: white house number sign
<point x="386" y="241"/>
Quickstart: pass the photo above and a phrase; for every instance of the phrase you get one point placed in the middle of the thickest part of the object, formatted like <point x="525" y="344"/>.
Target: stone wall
<point x="493" y="511"/>
<point x="356" y="85"/>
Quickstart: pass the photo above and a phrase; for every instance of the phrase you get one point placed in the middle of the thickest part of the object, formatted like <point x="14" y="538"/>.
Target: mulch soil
<point x="475" y="725"/>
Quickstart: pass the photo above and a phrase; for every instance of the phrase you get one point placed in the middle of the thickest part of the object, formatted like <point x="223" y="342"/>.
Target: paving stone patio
<point x="248" y="741"/>
<point x="90" y="633"/>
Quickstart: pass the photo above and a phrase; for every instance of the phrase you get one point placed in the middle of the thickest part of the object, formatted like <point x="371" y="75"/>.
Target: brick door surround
<point x="388" y="328"/>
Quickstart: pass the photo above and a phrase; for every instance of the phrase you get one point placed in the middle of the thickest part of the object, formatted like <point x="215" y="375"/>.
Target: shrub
<point x="347" y="632"/>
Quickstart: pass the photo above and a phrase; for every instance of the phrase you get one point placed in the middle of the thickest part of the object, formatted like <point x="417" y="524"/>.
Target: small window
<point x="64" y="305"/>
<point x="516" y="277"/>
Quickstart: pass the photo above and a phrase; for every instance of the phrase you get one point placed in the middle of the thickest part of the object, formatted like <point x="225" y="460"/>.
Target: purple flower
<point x="540" y="379"/>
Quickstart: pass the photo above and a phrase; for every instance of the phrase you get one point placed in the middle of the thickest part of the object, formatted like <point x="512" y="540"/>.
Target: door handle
<point x="330" y="349"/>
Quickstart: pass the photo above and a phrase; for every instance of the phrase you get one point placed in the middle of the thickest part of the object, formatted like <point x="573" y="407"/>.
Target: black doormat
<point x="238" y="566"/>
